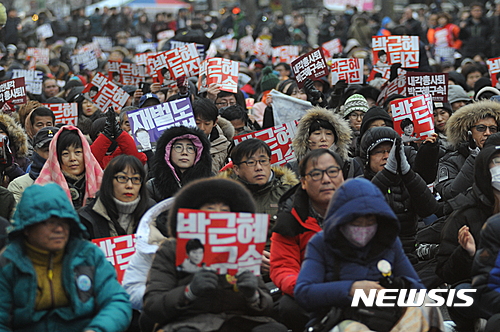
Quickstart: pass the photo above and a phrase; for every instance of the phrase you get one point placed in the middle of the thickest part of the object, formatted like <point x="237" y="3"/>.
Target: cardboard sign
<point x="311" y="65"/>
<point x="105" y="42"/>
<point x="118" y="251"/>
<point x="279" y="139"/>
<point x="32" y="78"/>
<point x="444" y="54"/>
<point x="84" y="61"/>
<point x="142" y="48"/>
<point x="165" y="34"/>
<point x="350" y="70"/>
<point x="221" y="71"/>
<point x="39" y="54"/>
<point x="44" y="31"/>
<point x="493" y="69"/>
<point x="105" y="93"/>
<point x="413" y="117"/>
<point x="332" y="47"/>
<point x="225" y="43"/>
<point x="246" y="44"/>
<point x="435" y="84"/>
<point x="262" y="49"/>
<point x="200" y="48"/>
<point x="154" y="120"/>
<point x="13" y="92"/>
<point x="286" y="108"/>
<point x="285" y="53"/>
<point x="94" y="46"/>
<point x="66" y="113"/>
<point x="126" y="73"/>
<point x="225" y="241"/>
<point x="397" y="86"/>
<point x="178" y="62"/>
<point x="388" y="50"/>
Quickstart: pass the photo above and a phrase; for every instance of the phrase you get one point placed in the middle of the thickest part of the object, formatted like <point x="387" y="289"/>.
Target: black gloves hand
<point x="112" y="128"/>
<point x="204" y="282"/>
<point x="315" y="96"/>
<point x="473" y="148"/>
<point x="247" y="284"/>
<point x="394" y="283"/>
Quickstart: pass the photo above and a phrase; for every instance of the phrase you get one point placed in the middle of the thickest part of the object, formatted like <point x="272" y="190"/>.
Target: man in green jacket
<point x="51" y="279"/>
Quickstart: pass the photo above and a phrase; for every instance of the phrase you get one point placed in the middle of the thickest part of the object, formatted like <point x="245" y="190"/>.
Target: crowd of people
<point x="357" y="197"/>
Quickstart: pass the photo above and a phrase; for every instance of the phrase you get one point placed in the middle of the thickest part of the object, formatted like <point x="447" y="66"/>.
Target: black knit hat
<point x="207" y="191"/>
<point x="374" y="113"/>
<point x="375" y="136"/>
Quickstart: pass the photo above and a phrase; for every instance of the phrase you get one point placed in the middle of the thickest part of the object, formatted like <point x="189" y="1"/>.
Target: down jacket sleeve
<point x="285" y="262"/>
<point x="126" y="145"/>
<point x="136" y="275"/>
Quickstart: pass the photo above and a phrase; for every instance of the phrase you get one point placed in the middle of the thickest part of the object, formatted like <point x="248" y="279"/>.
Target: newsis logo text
<point x="413" y="297"/>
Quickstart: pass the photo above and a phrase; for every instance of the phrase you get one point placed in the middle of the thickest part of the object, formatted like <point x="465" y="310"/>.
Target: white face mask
<point x="495" y="177"/>
<point x="359" y="235"/>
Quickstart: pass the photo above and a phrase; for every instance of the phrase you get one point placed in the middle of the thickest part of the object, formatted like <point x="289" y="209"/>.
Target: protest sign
<point x="262" y="49"/>
<point x="12" y="92"/>
<point x="493" y="69"/>
<point x="132" y="42"/>
<point x="200" y="48"/>
<point x="225" y="43"/>
<point x="154" y="120"/>
<point x="341" y="5"/>
<point x="223" y="72"/>
<point x="246" y="44"/>
<point x="39" y="54"/>
<point x="165" y="34"/>
<point x="397" y="86"/>
<point x="231" y="242"/>
<point x="105" y="93"/>
<point x="44" y="31"/>
<point x="444" y="54"/>
<point x="66" y="113"/>
<point x="350" y="70"/>
<point x="32" y="78"/>
<point x="413" y="117"/>
<point x="94" y="46"/>
<point x="435" y="84"/>
<point x="118" y="251"/>
<point x="285" y="53"/>
<point x="311" y="65"/>
<point x="286" y="108"/>
<point x="144" y="47"/>
<point x="388" y="50"/>
<point x="105" y="42"/>
<point x="279" y="139"/>
<point x="332" y="47"/>
<point x="126" y="73"/>
<point x="178" y="62"/>
<point x="84" y="61"/>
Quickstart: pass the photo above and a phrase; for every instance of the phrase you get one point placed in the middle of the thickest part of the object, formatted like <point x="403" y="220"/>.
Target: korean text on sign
<point x="278" y="138"/>
<point x="396" y="49"/>
<point x="350" y="70"/>
<point x="84" y="61"/>
<point x="332" y="47"/>
<point x="223" y="72"/>
<point x="311" y="65"/>
<point x="32" y="78"/>
<point x="66" y="113"/>
<point x="285" y="53"/>
<point x="494" y="69"/>
<point x="435" y="84"/>
<point x="39" y="54"/>
<point x="104" y="93"/>
<point x="13" y="92"/>
<point x="126" y="73"/>
<point x="415" y="110"/>
<point x="118" y="251"/>
<point x="233" y="242"/>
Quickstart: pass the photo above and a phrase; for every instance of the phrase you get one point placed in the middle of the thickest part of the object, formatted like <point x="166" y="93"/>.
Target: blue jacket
<point x="97" y="300"/>
<point x="332" y="264"/>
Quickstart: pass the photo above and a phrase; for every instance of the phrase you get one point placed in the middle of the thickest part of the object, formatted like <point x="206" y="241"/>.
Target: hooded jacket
<point x="104" y="306"/>
<point x="332" y="264"/>
<point x="165" y="183"/>
<point x="220" y="143"/>
<point x="18" y="143"/>
<point x="455" y="175"/>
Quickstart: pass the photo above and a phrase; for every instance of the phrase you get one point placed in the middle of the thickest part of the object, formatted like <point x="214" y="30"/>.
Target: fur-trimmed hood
<point x="17" y="136"/>
<point x="227" y="128"/>
<point x="343" y="132"/>
<point x="464" y="118"/>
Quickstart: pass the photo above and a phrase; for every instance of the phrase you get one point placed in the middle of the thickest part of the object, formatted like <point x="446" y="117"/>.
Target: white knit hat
<point x="356" y="102"/>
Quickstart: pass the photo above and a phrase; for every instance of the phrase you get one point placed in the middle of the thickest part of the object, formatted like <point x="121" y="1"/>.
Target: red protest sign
<point x="388" y="50"/>
<point x="435" y="84"/>
<point x="350" y="70"/>
<point x="493" y="69"/>
<point x="39" y="54"/>
<point x="126" y="73"/>
<point x="66" y="113"/>
<point x="332" y="47"/>
<point x="397" y="86"/>
<point x="118" y="251"/>
<point x="279" y="140"/>
<point x="225" y="241"/>
<point x="223" y="72"/>
<point x="105" y="93"/>
<point x="285" y="53"/>
<point x="311" y="65"/>
<point x="246" y="44"/>
<point x="181" y="61"/>
<point x="413" y="117"/>
<point x="13" y="92"/>
<point x="262" y="49"/>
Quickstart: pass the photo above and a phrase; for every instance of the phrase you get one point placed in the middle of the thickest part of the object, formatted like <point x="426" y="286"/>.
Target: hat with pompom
<point x="268" y="80"/>
<point x="356" y="102"/>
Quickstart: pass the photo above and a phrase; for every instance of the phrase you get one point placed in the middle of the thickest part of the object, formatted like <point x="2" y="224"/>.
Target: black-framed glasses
<point x="482" y="128"/>
<point x="253" y="162"/>
<point x="179" y="148"/>
<point x="225" y="103"/>
<point x="317" y="174"/>
<point x="124" y="179"/>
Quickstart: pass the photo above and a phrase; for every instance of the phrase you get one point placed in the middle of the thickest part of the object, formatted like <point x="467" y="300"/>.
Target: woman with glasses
<point x="354" y="110"/>
<point x="121" y="201"/>
<point x="182" y="155"/>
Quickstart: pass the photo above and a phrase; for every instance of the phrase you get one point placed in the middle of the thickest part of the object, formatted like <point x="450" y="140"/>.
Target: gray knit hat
<point x="356" y="102"/>
<point x="457" y="93"/>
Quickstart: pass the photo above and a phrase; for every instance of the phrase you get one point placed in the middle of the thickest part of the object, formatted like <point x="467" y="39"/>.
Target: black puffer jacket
<point x="164" y="184"/>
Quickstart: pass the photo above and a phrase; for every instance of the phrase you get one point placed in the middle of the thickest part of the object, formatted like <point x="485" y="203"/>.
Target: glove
<point x="247" y="284"/>
<point x="473" y="148"/>
<point x="109" y="127"/>
<point x="204" y="282"/>
<point x="394" y="283"/>
<point x="392" y="163"/>
<point x="402" y="161"/>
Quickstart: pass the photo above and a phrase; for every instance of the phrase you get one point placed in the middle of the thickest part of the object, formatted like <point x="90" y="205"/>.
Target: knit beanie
<point x="268" y="80"/>
<point x="356" y="102"/>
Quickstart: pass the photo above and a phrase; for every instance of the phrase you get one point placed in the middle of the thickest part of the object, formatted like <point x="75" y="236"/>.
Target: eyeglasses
<point x="357" y="116"/>
<point x="124" y="179"/>
<point x="225" y="103"/>
<point x="482" y="128"/>
<point x="317" y="174"/>
<point x="253" y="162"/>
<point x="179" y="148"/>
<point x="377" y="152"/>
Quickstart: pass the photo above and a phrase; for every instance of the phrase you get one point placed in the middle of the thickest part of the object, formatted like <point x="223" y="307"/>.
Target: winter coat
<point x="220" y="142"/>
<point x="332" y="264"/>
<point x="475" y="37"/>
<point x="164" y="183"/>
<point x="18" y="145"/>
<point x="7" y="203"/>
<point x="102" y="307"/>
<point x="294" y="227"/>
<point x="18" y="186"/>
<point x="165" y="291"/>
<point x="126" y="145"/>
<point x="449" y="32"/>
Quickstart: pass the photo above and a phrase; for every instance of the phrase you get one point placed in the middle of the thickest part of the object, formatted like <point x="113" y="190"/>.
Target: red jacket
<point x="126" y="145"/>
<point x="293" y="230"/>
